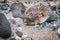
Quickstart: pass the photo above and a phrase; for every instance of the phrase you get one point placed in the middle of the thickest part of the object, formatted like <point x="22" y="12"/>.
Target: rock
<point x="29" y="38"/>
<point x="20" y="28"/>
<point x="17" y="10"/>
<point x="53" y="8"/>
<point x="58" y="23"/>
<point x="5" y="30"/>
<point x="5" y="6"/>
<point x="19" y="34"/>
<point x="12" y="21"/>
<point x="52" y="18"/>
<point x="12" y="39"/>
<point x="59" y="8"/>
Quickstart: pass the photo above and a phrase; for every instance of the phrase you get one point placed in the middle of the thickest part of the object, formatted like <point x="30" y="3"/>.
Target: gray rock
<point x="53" y="17"/>
<point x="17" y="10"/>
<point x="19" y="33"/>
<point x="12" y="39"/>
<point x="12" y="21"/>
<point x="5" y="30"/>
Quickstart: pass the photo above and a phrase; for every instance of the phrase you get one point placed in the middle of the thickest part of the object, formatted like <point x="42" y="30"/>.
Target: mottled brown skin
<point x="38" y="14"/>
<point x="28" y="21"/>
<point x="36" y="20"/>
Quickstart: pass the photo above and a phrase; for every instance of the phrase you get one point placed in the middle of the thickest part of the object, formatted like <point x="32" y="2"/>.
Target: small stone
<point x="52" y="18"/>
<point x="12" y="39"/>
<point x="19" y="33"/>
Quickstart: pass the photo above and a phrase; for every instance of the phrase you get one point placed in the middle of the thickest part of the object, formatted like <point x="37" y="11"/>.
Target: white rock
<point x="20" y="28"/>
